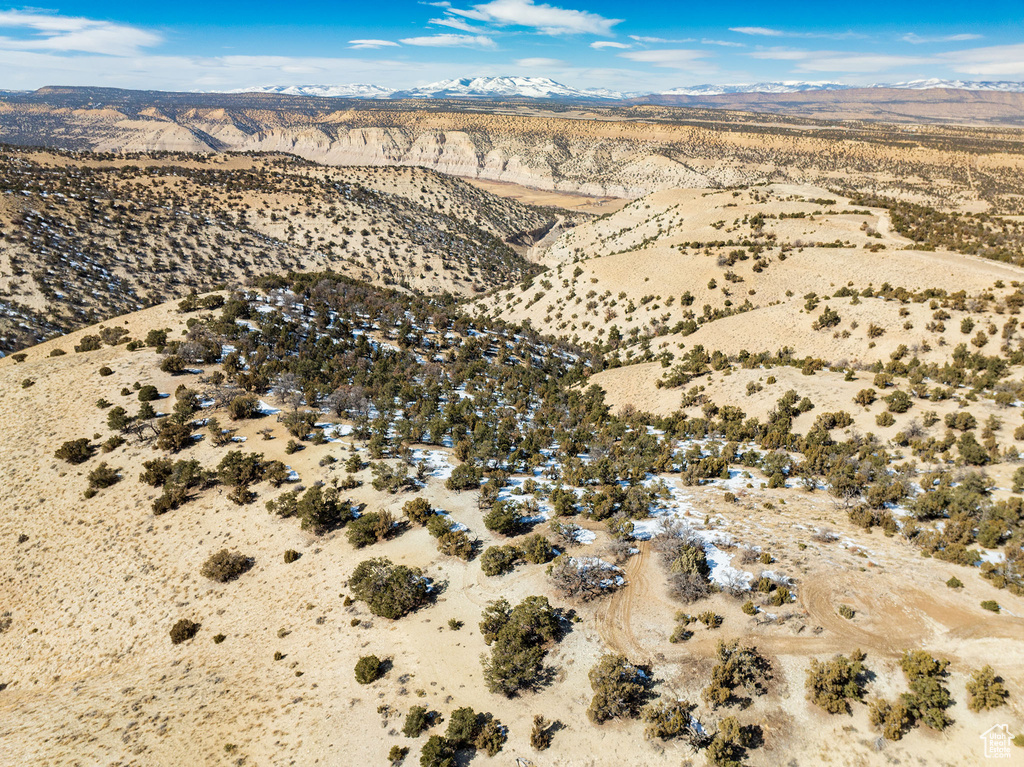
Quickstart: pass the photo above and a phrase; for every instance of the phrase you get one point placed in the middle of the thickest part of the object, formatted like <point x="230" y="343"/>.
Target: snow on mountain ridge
<point x="545" y="88"/>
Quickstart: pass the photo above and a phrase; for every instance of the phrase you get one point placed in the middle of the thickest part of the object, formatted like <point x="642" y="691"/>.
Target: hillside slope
<point x="86" y="237"/>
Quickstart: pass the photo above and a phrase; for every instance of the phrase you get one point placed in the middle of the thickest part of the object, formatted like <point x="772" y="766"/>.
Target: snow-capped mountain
<point x="782" y="87"/>
<point x="1005" y="86"/>
<point x="464" y="87"/>
<point x="545" y="88"/>
<point x="352" y="90"/>
<point x="505" y="87"/>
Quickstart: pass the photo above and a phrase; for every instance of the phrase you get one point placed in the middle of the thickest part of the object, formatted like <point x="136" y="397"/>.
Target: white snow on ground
<point x="454" y="525"/>
<point x="584" y="537"/>
<point x="995" y="557"/>
<point x="719" y="560"/>
<point x="722" y="572"/>
<point x="293" y="476"/>
<point x="440" y="465"/>
<point x="597" y="562"/>
<point x="332" y="431"/>
<point x="736" y="482"/>
<point x="266" y="409"/>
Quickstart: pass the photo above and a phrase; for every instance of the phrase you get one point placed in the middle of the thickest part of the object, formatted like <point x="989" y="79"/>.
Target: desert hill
<point x="617" y="151"/>
<point x="268" y="676"/>
<point x="326" y="457"/>
<point x="86" y="237"/>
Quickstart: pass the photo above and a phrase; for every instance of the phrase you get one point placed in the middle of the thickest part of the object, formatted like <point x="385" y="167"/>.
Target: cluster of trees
<point x="519" y="638"/>
<point x="389" y="590"/>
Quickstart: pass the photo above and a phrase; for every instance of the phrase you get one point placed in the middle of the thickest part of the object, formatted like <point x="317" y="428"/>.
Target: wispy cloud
<point x="598" y="45"/>
<point x="723" y="43"/>
<point x="538" y="61"/>
<point x="544" y="18"/>
<point x="50" y="32"/>
<point x="370" y="44"/>
<point x="690" y="60"/>
<point x="770" y="32"/>
<point x="660" y="40"/>
<point x="920" y="39"/>
<point x="840" y="61"/>
<point x="450" y="41"/>
<point x="989" y="61"/>
<point x="455" y="23"/>
<point x="758" y="31"/>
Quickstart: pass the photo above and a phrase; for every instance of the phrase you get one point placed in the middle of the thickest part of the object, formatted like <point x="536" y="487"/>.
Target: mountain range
<point x="545" y="88"/>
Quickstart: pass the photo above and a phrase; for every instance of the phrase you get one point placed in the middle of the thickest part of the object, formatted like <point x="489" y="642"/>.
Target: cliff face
<point x="625" y="152"/>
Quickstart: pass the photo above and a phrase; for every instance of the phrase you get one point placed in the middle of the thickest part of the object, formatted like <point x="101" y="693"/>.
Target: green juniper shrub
<point x="498" y="560"/>
<point x="418" y="511"/>
<point x="389" y="590"/>
<point x="75" y="451"/>
<point x="667" y="719"/>
<point x="112" y="443"/>
<point x="729" y="744"/>
<point x="372" y="527"/>
<point x="416" y="721"/>
<point x="536" y="549"/>
<point x="928" y="698"/>
<point x="183" y="630"/>
<point x="620" y="689"/>
<point x="542" y="733"/>
<point x="103" y="476"/>
<point x="737" y="667"/>
<point x="368" y="669"/>
<point x="148" y="393"/>
<point x="832" y="684"/>
<point x="519" y="638"/>
<point x="987" y="690"/>
<point x="225" y="565"/>
<point x="893" y="719"/>
<point x="437" y="752"/>
<point x="456" y="543"/>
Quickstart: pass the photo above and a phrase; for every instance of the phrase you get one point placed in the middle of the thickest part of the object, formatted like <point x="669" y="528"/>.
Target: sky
<point x="623" y="46"/>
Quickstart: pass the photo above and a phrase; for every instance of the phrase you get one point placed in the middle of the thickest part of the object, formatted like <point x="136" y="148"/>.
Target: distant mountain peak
<point x="546" y="88"/>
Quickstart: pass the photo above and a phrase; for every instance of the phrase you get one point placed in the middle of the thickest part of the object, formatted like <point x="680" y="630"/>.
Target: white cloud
<point x="759" y="31"/>
<point x="602" y="44"/>
<point x="548" y="19"/>
<point x="919" y="39"/>
<point x="50" y="32"/>
<point x="370" y="44"/>
<point x="840" y="61"/>
<point x="723" y="43"/>
<point x="535" y="62"/>
<point x="991" y="61"/>
<point x="673" y="59"/>
<point x="660" y="40"/>
<point x="782" y="54"/>
<point x="450" y="41"/>
<point x="770" y="32"/>
<point x="455" y="23"/>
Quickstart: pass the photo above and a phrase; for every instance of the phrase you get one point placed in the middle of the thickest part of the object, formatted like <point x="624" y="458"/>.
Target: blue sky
<point x="638" y="46"/>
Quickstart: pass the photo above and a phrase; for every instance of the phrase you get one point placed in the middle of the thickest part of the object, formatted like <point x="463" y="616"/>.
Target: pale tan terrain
<point x="631" y="269"/>
<point x="91" y="675"/>
<point x="582" y="225"/>
<point x="87" y="238"/>
<point x="597" y="151"/>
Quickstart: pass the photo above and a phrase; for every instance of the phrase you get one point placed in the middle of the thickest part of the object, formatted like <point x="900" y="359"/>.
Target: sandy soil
<point x="91" y="677"/>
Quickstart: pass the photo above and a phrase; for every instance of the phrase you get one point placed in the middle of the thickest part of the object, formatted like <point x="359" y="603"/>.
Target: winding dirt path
<point x="615" y="621"/>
